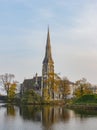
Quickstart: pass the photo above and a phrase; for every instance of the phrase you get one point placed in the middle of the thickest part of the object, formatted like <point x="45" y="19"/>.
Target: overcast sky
<point x="73" y="32"/>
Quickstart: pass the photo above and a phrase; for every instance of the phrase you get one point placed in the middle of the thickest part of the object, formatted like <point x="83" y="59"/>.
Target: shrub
<point x="30" y="97"/>
<point x="90" y="98"/>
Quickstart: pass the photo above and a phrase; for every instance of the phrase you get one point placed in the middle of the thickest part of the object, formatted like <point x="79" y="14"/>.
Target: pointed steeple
<point x="48" y="65"/>
<point x="48" y="54"/>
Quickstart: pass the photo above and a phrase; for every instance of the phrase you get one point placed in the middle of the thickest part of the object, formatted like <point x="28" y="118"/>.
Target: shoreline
<point x="83" y="106"/>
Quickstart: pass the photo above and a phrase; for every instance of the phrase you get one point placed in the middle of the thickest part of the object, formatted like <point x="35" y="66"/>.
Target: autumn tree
<point x="46" y="94"/>
<point x="6" y="81"/>
<point x="52" y="85"/>
<point x="82" y="88"/>
<point x="12" y="91"/>
<point x="65" y="87"/>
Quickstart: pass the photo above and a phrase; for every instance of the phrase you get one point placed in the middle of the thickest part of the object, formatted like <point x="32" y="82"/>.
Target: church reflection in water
<point x="46" y="115"/>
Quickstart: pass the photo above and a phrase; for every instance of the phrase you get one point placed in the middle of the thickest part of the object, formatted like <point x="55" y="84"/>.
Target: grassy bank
<point x="86" y="102"/>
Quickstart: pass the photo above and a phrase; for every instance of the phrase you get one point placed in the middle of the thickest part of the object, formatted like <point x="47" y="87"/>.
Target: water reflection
<point x="86" y="113"/>
<point x="48" y="114"/>
<point x="53" y="115"/>
<point x="11" y="110"/>
<point x="31" y="113"/>
<point x="45" y="117"/>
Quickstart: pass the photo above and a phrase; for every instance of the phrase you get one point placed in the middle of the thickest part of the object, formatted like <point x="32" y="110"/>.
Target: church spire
<point x="48" y="54"/>
<point x="48" y="65"/>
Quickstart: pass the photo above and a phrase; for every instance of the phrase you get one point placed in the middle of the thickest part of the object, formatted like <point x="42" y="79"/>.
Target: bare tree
<point x="65" y="87"/>
<point x="6" y="81"/>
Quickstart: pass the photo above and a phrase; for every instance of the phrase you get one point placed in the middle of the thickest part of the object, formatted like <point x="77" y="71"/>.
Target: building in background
<point x="34" y="83"/>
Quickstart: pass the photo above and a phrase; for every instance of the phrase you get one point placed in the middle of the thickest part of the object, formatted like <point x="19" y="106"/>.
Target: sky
<point x="73" y="33"/>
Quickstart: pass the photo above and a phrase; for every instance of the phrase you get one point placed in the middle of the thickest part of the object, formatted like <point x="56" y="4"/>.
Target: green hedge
<point x="87" y="99"/>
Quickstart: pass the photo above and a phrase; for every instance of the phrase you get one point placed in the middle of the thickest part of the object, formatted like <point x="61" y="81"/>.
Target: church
<point x="44" y="85"/>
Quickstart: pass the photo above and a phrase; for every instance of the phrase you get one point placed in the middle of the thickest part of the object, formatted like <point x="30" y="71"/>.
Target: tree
<point x="30" y="97"/>
<point x="52" y="86"/>
<point x="6" y="81"/>
<point x="12" y="91"/>
<point x="65" y="87"/>
<point x="82" y="88"/>
<point x="46" y="94"/>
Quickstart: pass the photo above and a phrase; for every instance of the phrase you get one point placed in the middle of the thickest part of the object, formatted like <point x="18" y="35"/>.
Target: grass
<point x="87" y="99"/>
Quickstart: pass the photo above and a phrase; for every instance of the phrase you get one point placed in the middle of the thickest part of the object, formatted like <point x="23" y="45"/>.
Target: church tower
<point x="48" y="63"/>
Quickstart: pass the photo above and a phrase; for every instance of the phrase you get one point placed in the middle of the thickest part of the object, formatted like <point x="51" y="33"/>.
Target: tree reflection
<point x="47" y="115"/>
<point x="83" y="114"/>
<point x="11" y="110"/>
<point x="52" y="115"/>
<point x="31" y="112"/>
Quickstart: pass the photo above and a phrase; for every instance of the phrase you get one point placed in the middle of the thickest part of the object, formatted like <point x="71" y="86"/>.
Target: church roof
<point x="48" y="54"/>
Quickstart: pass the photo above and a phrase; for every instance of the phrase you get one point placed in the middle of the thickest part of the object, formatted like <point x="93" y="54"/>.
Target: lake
<point x="46" y="118"/>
